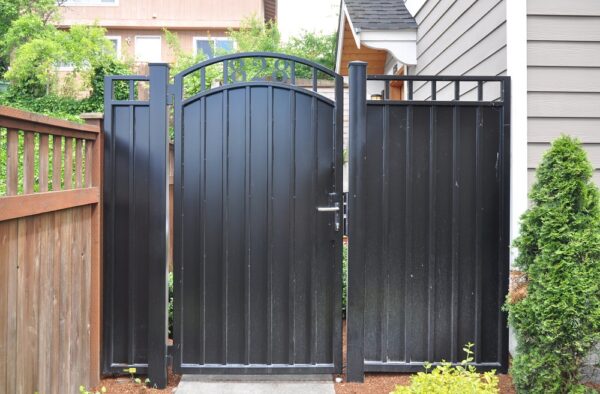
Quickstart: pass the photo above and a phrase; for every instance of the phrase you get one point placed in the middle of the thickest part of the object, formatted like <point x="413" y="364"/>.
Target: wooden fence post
<point x="97" y="153"/>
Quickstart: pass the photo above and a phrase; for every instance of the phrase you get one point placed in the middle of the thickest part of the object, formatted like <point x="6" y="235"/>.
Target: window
<point x="91" y="2"/>
<point x="211" y="45"/>
<point x="147" y="49"/>
<point x="116" y="41"/>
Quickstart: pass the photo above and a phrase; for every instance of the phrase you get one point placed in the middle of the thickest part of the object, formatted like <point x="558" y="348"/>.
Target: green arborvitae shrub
<point x="558" y="321"/>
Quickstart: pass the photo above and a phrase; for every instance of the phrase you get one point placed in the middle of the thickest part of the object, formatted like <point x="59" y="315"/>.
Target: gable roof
<point x="379" y="14"/>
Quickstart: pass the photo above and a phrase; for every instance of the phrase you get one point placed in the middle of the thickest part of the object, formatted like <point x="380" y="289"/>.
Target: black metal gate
<point x="429" y="204"/>
<point x="257" y="220"/>
<point x="258" y="196"/>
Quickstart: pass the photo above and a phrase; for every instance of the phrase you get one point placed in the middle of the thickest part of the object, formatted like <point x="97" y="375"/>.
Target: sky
<point x="294" y="16"/>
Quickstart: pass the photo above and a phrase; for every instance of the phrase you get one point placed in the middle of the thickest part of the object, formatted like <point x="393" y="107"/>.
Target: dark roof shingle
<point x="379" y="14"/>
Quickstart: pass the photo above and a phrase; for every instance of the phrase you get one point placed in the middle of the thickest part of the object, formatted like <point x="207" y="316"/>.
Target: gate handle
<point x="328" y="209"/>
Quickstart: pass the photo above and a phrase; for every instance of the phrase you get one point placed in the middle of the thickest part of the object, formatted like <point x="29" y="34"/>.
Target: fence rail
<point x="50" y="252"/>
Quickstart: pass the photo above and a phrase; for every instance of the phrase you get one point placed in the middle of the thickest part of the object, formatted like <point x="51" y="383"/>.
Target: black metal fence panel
<point x="257" y="264"/>
<point x="428" y="259"/>
<point x="135" y="196"/>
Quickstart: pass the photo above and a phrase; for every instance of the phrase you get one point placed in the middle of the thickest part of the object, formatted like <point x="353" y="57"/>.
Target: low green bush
<point x="446" y="379"/>
<point x="558" y="321"/>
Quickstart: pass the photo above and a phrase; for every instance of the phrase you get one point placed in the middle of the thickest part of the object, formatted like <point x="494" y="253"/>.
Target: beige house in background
<point x="135" y="26"/>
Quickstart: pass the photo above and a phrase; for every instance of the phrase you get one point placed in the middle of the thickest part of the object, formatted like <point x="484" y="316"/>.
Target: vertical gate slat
<point x="203" y="149"/>
<point x="407" y="227"/>
<point x="384" y="201"/>
<point x="248" y="226"/>
<point x="431" y="231"/>
<point x="131" y="230"/>
<point x="312" y="279"/>
<point x="292" y="219"/>
<point x="455" y="233"/>
<point x="225" y="218"/>
<point x="478" y="228"/>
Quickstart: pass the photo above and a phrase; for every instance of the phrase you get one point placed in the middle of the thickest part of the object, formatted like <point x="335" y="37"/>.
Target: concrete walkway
<point x="255" y="384"/>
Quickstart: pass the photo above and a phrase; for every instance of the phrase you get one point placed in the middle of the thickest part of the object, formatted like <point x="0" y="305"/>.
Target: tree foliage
<point x="34" y="62"/>
<point x="12" y="10"/>
<point x="558" y="321"/>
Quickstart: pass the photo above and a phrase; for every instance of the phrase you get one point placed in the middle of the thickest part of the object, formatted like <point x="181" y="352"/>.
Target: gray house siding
<point x="461" y="37"/>
<point x="563" y="76"/>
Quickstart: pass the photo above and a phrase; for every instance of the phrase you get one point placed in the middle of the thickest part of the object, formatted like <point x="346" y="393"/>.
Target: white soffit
<point x="401" y="44"/>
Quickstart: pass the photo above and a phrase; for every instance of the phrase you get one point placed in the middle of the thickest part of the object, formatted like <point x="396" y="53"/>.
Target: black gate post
<point x="356" y="267"/>
<point x="157" y="226"/>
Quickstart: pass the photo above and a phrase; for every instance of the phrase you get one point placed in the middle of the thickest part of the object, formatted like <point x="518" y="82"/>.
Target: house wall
<point x="180" y="14"/>
<point x="186" y="40"/>
<point x="563" y="76"/>
<point x="460" y="37"/>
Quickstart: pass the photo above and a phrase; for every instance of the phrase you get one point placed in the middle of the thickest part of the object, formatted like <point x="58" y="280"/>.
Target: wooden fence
<point x="50" y="253"/>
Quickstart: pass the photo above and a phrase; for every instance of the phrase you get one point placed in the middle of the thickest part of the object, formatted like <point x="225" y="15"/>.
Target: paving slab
<point x="256" y="384"/>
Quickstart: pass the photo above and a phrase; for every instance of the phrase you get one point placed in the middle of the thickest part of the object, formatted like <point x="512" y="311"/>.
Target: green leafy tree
<point x="319" y="48"/>
<point x="558" y="321"/>
<point x="13" y="10"/>
<point x="34" y="63"/>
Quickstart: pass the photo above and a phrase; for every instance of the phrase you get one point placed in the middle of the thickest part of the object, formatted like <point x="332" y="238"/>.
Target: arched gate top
<point x="240" y="68"/>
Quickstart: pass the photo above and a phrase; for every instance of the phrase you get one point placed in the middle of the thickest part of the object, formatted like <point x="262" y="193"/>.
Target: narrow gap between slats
<point x="270" y="158"/>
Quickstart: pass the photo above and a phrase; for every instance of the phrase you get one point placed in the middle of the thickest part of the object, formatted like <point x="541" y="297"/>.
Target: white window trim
<point x="206" y="38"/>
<point x="118" y="39"/>
<point x="76" y="4"/>
<point x="135" y="48"/>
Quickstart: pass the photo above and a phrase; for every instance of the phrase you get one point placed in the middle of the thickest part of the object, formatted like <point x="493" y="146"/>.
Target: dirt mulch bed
<point x="384" y="383"/>
<point x="125" y="385"/>
<point x="375" y="383"/>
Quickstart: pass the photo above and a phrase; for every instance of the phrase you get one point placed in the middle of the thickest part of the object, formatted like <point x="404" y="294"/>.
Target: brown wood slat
<point x="46" y="311"/>
<point x="43" y="174"/>
<point x="89" y="162"/>
<point x="12" y="162"/>
<point x="75" y="296"/>
<point x="5" y="247"/>
<point x="37" y="203"/>
<point x="56" y="291"/>
<point x="78" y="163"/>
<point x="68" y="176"/>
<point x="65" y="299"/>
<point x="56" y="162"/>
<point x="27" y="285"/>
<point x="10" y="231"/>
<point x="28" y="121"/>
<point x="28" y="162"/>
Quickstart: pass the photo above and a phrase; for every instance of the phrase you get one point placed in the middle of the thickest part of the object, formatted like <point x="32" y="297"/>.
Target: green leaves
<point x="446" y="379"/>
<point x="559" y="251"/>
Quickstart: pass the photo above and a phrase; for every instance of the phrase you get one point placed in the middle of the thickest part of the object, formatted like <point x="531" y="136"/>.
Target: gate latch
<point x="334" y="207"/>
